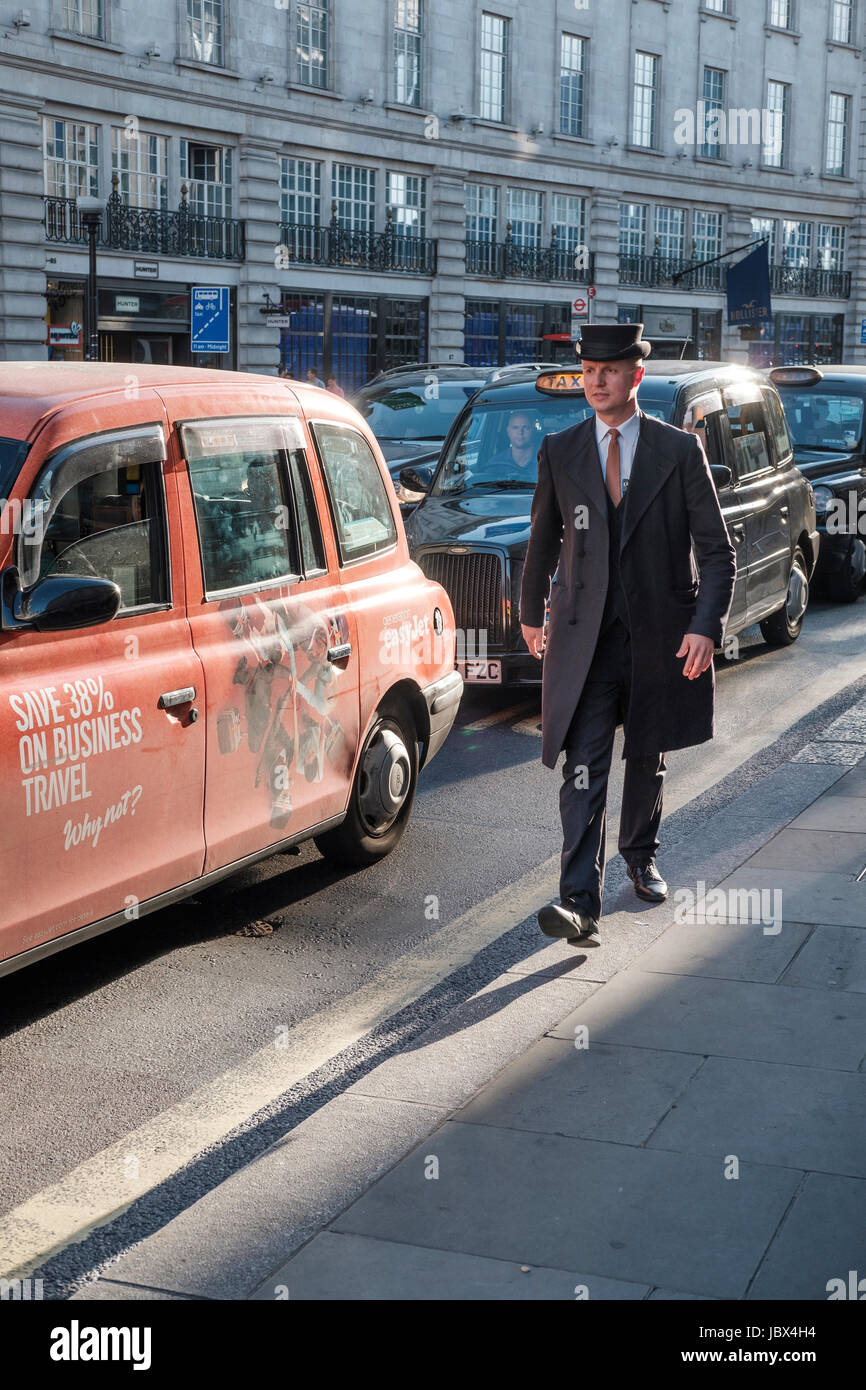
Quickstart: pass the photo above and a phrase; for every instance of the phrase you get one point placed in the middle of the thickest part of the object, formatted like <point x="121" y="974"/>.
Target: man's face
<point x="609" y="386"/>
<point x="519" y="431"/>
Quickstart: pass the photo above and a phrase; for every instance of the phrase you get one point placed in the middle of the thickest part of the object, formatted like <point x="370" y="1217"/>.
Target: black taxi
<point x="825" y="408"/>
<point x="471" y="530"/>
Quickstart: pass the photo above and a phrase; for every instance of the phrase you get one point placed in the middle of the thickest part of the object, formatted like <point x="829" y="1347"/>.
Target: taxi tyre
<point x="391" y="743"/>
<point x="846" y="585"/>
<point x="778" y="630"/>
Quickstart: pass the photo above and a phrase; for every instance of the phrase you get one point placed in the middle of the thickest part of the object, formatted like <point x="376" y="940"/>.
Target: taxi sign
<point x="555" y="383"/>
<point x="796" y="376"/>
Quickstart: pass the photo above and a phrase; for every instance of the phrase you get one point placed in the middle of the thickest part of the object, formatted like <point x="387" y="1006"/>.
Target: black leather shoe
<point x="578" y="928"/>
<point x="648" y="882"/>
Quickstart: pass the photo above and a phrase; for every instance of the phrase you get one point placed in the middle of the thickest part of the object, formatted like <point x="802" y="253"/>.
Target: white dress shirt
<point x="628" y="437"/>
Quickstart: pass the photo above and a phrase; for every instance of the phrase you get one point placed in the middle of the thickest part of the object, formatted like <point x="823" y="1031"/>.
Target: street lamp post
<point x="90" y="211"/>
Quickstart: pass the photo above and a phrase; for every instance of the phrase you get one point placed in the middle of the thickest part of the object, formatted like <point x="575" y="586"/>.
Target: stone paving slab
<point x="836" y="852"/>
<point x="807" y="895"/>
<point x="725" y="1018"/>
<point x="833" y="958"/>
<point x="792" y="1116"/>
<point x="111" y="1291"/>
<point x="848" y="754"/>
<point x="852" y="784"/>
<point x="822" y="1237"/>
<point x="831" y="812"/>
<point x="340" y="1266"/>
<point x="616" y="1094"/>
<point x="663" y="1219"/>
<point x="726" y="951"/>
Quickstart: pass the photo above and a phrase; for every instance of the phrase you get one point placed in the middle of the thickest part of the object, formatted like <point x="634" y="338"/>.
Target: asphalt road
<point x="100" y="1038"/>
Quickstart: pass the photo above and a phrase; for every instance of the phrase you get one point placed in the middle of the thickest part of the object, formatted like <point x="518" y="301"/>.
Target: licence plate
<point x="488" y="672"/>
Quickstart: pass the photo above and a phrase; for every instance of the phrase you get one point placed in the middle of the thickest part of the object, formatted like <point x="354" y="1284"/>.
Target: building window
<point x="71" y="160"/>
<point x="301" y="192"/>
<point x="645" y="108"/>
<point x="830" y="246"/>
<point x="714" y="101"/>
<point x="204" y="22"/>
<point x="569" y="221"/>
<point x="524" y="215"/>
<point x="482" y="212"/>
<point x="670" y="233"/>
<point x="717" y="6"/>
<point x="766" y="227"/>
<point x="140" y="162"/>
<point x="796" y="243"/>
<point x="707" y="235"/>
<point x="776" y="144"/>
<point x="572" y="85"/>
<point x="84" y="17"/>
<point x="406" y="196"/>
<point x="780" y="14"/>
<point x="494" y="67"/>
<point x="353" y="189"/>
<point x="407" y="52"/>
<point x="632" y="229"/>
<point x="312" y="44"/>
<point x="838" y="118"/>
<point x="207" y="171"/>
<point x="842" y="25"/>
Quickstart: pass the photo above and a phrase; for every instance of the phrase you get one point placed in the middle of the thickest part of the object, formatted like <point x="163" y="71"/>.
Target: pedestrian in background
<point x="314" y="379"/>
<point x="621" y="499"/>
<point x="334" y="388"/>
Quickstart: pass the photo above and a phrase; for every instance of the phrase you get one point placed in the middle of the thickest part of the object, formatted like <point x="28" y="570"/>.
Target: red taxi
<point x="213" y="642"/>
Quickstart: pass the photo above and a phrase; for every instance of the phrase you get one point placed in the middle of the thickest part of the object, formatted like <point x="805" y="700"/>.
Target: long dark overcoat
<point x="672" y="516"/>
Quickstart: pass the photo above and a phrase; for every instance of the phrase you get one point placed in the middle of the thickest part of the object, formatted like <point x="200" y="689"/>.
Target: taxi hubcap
<point x="386" y="776"/>
<point x="798" y="595"/>
<point x="857" y="561"/>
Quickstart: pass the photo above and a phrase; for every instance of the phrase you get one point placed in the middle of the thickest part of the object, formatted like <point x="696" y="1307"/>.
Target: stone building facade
<point x="377" y="181"/>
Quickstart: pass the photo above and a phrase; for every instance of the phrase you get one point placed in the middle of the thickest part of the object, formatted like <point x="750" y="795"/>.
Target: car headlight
<point x="823" y="498"/>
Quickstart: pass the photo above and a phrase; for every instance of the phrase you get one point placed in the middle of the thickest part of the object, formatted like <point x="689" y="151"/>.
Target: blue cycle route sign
<point x="209" y="331"/>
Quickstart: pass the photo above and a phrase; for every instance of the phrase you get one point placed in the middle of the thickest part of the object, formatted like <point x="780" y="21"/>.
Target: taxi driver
<point x="522" y="449"/>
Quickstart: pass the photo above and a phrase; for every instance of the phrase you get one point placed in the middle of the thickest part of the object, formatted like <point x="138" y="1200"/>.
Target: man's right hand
<point x="533" y="637"/>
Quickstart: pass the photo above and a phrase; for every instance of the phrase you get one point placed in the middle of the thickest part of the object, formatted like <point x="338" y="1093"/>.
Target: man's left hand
<point x="699" y="653"/>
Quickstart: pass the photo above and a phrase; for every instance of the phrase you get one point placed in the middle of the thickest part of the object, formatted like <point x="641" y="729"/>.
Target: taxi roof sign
<point x="796" y="376"/>
<point x="557" y="383"/>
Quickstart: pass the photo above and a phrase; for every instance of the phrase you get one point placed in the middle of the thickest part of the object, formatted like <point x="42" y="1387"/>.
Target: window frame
<point x="506" y="56"/>
<point x="655" y="89"/>
<point x="583" y="72"/>
<point x="785" y="113"/>
<point x="843" y="171"/>
<point x="399" y="33"/>
<point x="150" y="436"/>
<point x="834" y="12"/>
<point x="285" y="477"/>
<point x="313" y="423"/>
<point x="297" y="79"/>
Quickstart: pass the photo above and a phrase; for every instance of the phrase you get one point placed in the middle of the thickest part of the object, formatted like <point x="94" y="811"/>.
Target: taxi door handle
<point x="340" y="653"/>
<point x="172" y="698"/>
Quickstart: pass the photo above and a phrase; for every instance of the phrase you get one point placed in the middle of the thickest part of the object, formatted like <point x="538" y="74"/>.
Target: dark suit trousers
<point x="583" y="796"/>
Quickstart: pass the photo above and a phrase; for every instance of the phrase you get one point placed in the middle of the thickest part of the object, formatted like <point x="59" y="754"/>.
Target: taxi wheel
<point x="847" y="585"/>
<point x="784" y="627"/>
<point x="382" y="793"/>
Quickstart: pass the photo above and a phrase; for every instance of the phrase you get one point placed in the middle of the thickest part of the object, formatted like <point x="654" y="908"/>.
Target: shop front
<point x="498" y="333"/>
<point x="137" y="323"/>
<point x="348" y="336"/>
<point x="678" y="332"/>
<point x="795" y="339"/>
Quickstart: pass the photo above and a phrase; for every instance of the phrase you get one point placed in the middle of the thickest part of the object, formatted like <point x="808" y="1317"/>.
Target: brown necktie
<point x="612" y="470"/>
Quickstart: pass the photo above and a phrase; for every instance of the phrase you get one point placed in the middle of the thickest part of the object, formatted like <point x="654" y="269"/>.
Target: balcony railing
<point x="505" y="260"/>
<point x="149" y="231"/>
<point x="656" y="271"/>
<point x="342" y="247"/>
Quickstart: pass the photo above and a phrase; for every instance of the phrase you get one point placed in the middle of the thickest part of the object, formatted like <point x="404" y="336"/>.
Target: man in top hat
<point x="622" y="503"/>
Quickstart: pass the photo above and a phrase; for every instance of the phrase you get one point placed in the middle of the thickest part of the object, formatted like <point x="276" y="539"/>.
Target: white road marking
<point x="500" y="717"/>
<point x="101" y="1188"/>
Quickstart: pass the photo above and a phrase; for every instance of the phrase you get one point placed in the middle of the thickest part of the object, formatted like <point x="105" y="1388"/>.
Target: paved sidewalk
<point x="678" y="1114"/>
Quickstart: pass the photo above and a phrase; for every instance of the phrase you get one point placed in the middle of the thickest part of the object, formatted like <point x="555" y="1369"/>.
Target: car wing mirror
<point x="722" y="475"/>
<point x="417" y="477"/>
<point x="57" y="603"/>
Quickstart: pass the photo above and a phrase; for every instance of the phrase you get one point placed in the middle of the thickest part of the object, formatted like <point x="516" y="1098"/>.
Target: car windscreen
<point x="823" y="419"/>
<point x="424" y="411"/>
<point x="497" y="443"/>
<point x="12" y="454"/>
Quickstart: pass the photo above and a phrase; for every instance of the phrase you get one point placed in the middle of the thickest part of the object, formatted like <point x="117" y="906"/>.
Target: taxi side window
<point x="363" y="520"/>
<point x="782" y="442"/>
<point x="103" y="516"/>
<point x="237" y="470"/>
<point x="704" y="417"/>
<point x="312" y="548"/>
<point x="747" y="418"/>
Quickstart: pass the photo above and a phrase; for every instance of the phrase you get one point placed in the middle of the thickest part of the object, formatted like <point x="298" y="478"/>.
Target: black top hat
<point x="612" y="342"/>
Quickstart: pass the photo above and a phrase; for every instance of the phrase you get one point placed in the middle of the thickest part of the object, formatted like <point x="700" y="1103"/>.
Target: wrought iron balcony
<point x="657" y="270"/>
<point x="810" y="281"/>
<point x="149" y="231"/>
<point x="505" y="260"/>
<point x="341" y="247"/>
